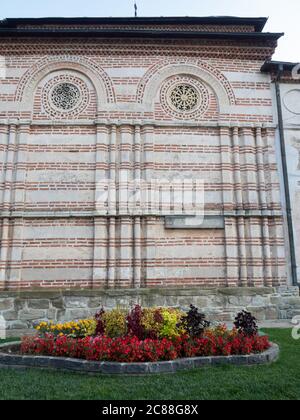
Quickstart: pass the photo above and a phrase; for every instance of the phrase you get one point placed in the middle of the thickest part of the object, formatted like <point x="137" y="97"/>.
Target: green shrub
<point x="115" y="323"/>
<point x="171" y="326"/>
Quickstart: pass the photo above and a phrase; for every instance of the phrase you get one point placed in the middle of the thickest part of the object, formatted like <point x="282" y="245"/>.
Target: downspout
<point x="285" y="179"/>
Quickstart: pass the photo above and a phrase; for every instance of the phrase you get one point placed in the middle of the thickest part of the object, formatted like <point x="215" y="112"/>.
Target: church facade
<point x="139" y="164"/>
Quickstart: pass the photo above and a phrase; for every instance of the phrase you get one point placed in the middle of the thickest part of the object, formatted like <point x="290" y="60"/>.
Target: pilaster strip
<point x="237" y="169"/>
<point x="242" y="253"/>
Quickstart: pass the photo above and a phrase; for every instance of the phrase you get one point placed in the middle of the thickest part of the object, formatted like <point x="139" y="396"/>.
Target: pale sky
<point x="283" y="16"/>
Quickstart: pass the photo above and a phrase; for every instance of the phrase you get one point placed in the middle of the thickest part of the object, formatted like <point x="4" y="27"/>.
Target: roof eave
<point x="12" y="32"/>
<point x="258" y="23"/>
<point x="271" y="66"/>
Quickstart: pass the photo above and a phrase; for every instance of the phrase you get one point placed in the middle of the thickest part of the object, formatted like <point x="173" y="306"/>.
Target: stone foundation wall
<point x="20" y="311"/>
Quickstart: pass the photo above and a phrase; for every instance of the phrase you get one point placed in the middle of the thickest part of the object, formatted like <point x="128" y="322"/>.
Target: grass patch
<point x="9" y="340"/>
<point x="278" y="381"/>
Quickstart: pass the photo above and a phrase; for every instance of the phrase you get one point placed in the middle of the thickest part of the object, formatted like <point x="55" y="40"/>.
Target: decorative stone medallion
<point x="292" y="101"/>
<point x="65" y="96"/>
<point x="184" y="97"/>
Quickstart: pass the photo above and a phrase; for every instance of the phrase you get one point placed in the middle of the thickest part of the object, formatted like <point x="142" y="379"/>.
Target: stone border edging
<point x="84" y="366"/>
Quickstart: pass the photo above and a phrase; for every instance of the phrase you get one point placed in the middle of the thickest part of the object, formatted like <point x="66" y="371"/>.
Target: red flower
<point x="130" y="349"/>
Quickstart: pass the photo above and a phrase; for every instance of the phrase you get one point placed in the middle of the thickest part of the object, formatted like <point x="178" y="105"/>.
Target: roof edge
<point x="102" y="33"/>
<point x="258" y="22"/>
<point x="271" y="66"/>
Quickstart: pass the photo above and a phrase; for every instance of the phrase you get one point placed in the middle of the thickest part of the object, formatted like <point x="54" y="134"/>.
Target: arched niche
<point x="31" y="79"/>
<point x="148" y="89"/>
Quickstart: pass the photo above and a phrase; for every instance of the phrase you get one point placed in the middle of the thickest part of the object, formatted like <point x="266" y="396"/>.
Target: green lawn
<point x="8" y="340"/>
<point x="278" y="381"/>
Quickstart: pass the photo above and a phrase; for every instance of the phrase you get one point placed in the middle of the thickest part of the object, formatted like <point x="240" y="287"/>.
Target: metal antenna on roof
<point x="135" y="9"/>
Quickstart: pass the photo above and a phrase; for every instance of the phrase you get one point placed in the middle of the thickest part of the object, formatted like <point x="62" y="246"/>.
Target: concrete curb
<point x="84" y="366"/>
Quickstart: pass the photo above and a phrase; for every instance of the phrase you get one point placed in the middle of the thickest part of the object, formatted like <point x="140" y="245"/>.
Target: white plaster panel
<point x="253" y="93"/>
<point x="125" y="89"/>
<point x="192" y="158"/>
<point x="60" y="176"/>
<point x="59" y="196"/>
<point x="52" y="253"/>
<point x="186" y="272"/>
<point x="8" y="106"/>
<point x="55" y="232"/>
<point x="56" y="274"/>
<point x="246" y="77"/>
<point x="125" y="71"/>
<point x="71" y="157"/>
<point x="251" y="110"/>
<point x="185" y="139"/>
<point x="192" y="251"/>
<point x="7" y="89"/>
<point x="15" y="72"/>
<point x="62" y="139"/>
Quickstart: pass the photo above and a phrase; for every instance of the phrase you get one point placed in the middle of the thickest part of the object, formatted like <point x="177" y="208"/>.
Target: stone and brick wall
<point x="53" y="235"/>
<point x="24" y="309"/>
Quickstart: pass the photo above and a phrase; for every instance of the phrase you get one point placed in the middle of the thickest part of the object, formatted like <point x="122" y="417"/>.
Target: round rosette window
<point x="184" y="97"/>
<point x="65" y="97"/>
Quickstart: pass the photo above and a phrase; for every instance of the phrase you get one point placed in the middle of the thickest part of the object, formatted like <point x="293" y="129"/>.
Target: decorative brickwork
<point x="167" y="28"/>
<point x="199" y="66"/>
<point x="50" y="63"/>
<point x="184" y="97"/>
<point x="75" y="113"/>
<point x="65" y="97"/>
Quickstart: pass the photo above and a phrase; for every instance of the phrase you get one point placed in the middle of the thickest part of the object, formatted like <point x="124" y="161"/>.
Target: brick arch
<point x="153" y="79"/>
<point x="98" y="77"/>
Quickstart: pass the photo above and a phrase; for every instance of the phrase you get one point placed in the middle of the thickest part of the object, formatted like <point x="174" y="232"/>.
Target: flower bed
<point x="131" y="349"/>
<point x="145" y="335"/>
